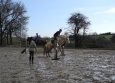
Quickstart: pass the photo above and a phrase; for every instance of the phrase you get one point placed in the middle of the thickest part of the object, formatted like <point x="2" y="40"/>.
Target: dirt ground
<point x="77" y="66"/>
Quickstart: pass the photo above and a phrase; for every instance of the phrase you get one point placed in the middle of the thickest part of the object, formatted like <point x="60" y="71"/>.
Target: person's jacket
<point x="32" y="46"/>
<point x="37" y="37"/>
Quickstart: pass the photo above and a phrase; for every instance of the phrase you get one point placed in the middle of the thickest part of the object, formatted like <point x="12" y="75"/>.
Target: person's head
<point x="30" y="39"/>
<point x="60" y="30"/>
<point x="36" y="33"/>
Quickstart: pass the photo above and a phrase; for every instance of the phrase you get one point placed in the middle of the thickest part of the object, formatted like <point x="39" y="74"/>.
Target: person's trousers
<point x="31" y="57"/>
<point x="55" y="48"/>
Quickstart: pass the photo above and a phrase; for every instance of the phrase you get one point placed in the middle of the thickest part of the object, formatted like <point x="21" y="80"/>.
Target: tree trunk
<point x="1" y="38"/>
<point x="10" y="37"/>
<point x="1" y="34"/>
<point x="7" y="38"/>
<point x="77" y="41"/>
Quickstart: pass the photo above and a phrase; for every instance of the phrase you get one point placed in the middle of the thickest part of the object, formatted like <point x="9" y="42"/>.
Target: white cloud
<point x="89" y="8"/>
<point x="109" y="11"/>
<point x="98" y="13"/>
<point x="112" y="10"/>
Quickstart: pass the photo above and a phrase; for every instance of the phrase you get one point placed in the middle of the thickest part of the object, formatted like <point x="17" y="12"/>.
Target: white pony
<point x="62" y="40"/>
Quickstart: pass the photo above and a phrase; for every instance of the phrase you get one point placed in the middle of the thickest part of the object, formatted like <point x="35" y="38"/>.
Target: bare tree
<point x="12" y="18"/>
<point x="78" y="27"/>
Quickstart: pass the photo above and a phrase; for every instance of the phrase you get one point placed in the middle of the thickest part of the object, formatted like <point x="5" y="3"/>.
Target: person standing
<point x="32" y="47"/>
<point x="56" y="34"/>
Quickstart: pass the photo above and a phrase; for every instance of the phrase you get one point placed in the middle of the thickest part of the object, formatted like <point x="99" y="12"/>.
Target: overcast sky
<point x="48" y="16"/>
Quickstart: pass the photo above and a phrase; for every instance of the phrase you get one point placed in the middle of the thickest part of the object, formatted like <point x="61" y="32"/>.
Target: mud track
<point x="77" y="66"/>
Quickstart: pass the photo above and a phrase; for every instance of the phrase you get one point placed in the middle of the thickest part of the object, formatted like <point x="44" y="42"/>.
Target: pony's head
<point x="63" y="39"/>
<point x="67" y="39"/>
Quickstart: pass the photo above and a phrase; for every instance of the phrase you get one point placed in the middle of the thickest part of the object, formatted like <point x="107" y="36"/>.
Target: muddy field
<point x="77" y="66"/>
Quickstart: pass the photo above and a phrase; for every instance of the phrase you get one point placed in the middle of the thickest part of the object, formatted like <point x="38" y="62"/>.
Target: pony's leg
<point x="45" y="51"/>
<point x="62" y="52"/>
<point x="49" y="51"/>
<point x="48" y="54"/>
<point x="60" y="49"/>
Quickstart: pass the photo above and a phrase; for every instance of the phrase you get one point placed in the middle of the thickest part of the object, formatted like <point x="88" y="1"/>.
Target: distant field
<point x="106" y="36"/>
